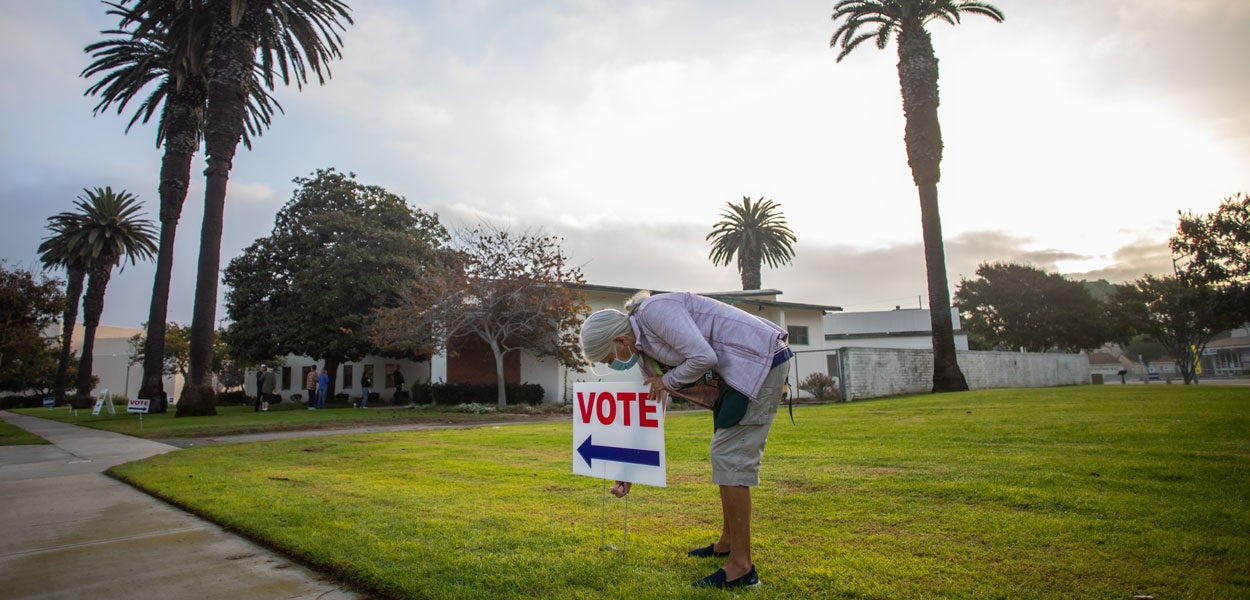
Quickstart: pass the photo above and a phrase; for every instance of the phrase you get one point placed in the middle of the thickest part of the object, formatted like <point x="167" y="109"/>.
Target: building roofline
<point x="732" y="297"/>
<point x="829" y="337"/>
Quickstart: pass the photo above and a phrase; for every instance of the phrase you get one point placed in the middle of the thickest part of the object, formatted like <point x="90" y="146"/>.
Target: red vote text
<point x="622" y="408"/>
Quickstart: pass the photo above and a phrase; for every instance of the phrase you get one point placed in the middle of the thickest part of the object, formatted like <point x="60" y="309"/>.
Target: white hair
<point x="631" y="305"/>
<point x="598" y="331"/>
<point x="601" y="327"/>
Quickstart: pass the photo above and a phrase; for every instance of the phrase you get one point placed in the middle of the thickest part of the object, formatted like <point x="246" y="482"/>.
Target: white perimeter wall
<point x="877" y="372"/>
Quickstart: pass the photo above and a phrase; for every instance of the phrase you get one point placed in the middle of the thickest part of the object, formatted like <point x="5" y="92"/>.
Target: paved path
<point x="68" y="531"/>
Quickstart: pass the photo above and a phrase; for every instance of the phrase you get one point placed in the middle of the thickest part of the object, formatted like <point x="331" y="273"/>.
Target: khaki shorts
<point x="737" y="451"/>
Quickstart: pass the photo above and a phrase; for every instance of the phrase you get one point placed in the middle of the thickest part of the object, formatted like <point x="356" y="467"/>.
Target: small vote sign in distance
<point x="618" y="433"/>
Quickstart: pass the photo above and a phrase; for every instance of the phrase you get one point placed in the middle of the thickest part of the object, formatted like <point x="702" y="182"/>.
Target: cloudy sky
<point x="1074" y="132"/>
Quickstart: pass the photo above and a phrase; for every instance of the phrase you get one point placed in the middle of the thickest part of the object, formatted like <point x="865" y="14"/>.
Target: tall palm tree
<point x="918" y="76"/>
<point x="286" y="38"/>
<point x="170" y="58"/>
<point x="55" y="253"/>
<point x="105" y="229"/>
<point x="756" y="232"/>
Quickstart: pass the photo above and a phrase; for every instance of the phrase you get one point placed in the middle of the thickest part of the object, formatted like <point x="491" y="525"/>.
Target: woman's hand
<point x="621" y="489"/>
<point x="658" y="391"/>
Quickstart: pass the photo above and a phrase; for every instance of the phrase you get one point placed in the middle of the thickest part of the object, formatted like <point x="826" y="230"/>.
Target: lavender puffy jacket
<point x="692" y="334"/>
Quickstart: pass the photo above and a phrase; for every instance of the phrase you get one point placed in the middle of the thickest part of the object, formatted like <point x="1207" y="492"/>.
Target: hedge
<point x="451" y="394"/>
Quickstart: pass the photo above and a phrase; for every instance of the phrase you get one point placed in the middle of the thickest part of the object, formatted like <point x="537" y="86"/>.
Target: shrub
<point x="451" y="394"/>
<point x="820" y="386"/>
<point x="235" y="398"/>
<point x="33" y="401"/>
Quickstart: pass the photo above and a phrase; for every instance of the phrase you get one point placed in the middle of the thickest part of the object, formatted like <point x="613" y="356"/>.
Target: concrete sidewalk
<point x="68" y="531"/>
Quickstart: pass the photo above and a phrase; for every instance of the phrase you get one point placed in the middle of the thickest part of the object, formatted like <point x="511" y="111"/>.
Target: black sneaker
<point x="708" y="551"/>
<point x="718" y="580"/>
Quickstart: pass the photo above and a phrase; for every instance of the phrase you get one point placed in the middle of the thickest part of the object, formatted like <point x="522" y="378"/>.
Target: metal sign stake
<point x="603" y="521"/>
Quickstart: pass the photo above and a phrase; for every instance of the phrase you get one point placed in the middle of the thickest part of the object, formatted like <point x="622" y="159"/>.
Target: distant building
<point x="473" y="362"/>
<point x="1229" y="357"/>
<point x="898" y="328"/>
<point x="113" y="363"/>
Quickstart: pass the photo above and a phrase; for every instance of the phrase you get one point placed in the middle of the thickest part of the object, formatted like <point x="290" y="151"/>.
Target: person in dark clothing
<point x="260" y="383"/>
<point x="399" y="384"/>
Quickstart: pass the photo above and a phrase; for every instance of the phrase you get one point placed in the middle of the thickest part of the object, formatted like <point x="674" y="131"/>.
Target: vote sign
<point x="618" y="433"/>
<point x="138" y="405"/>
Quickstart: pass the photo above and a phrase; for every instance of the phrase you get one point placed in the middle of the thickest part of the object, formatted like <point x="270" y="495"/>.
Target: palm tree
<point x="171" y="57"/>
<point x="286" y="38"/>
<point x="105" y="229"/>
<point x="918" y="75"/>
<point x="755" y="232"/>
<point x="55" y="253"/>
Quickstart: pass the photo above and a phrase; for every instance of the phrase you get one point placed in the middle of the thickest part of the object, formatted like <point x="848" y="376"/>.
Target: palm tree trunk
<point x="184" y="112"/>
<point x="947" y="377"/>
<point x="92" y="307"/>
<point x="73" y="293"/>
<point x="234" y="46"/>
<point x="918" y="77"/>
<point x="749" y="265"/>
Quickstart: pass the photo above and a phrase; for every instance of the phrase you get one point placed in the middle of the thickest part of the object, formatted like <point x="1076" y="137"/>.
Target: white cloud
<point x="1073" y="133"/>
<point x="252" y="192"/>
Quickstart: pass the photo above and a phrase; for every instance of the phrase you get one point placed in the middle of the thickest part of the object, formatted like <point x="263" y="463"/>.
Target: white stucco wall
<point x="878" y="372"/>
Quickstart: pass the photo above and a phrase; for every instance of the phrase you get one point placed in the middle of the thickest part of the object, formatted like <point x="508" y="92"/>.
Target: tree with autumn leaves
<point x="511" y="291"/>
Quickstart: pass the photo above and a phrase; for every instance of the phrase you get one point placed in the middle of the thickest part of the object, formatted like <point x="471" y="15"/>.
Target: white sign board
<point x="138" y="405"/>
<point x="49" y="402"/>
<point x="618" y="433"/>
<point x="99" y="404"/>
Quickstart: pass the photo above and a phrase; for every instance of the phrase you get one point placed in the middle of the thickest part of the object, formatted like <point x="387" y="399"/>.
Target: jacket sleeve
<point x="669" y="322"/>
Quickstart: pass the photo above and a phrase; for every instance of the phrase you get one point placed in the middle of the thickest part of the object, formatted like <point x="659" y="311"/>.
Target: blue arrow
<point x="635" y="456"/>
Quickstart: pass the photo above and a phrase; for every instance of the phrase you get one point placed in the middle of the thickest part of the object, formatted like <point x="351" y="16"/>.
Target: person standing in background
<point x="310" y="386"/>
<point x="399" y="384"/>
<point x="323" y="386"/>
<point x="260" y="384"/>
<point x="268" y="387"/>
<point x="366" y="382"/>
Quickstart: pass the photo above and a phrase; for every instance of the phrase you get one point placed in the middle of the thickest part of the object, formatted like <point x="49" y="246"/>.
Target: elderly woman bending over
<point x="719" y="356"/>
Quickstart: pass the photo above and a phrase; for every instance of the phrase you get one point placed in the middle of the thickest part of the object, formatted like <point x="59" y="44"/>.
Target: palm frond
<point x="751" y="228"/>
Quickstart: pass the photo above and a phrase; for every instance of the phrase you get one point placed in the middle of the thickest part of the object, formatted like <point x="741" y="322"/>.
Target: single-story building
<point x="1228" y="357"/>
<point x="473" y="361"/>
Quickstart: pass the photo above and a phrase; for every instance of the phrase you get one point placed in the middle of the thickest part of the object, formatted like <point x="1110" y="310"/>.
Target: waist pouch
<point x="730" y="406"/>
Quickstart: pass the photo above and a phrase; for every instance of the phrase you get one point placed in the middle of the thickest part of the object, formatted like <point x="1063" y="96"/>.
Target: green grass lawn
<point x="280" y="417"/>
<point x="12" y="435"/>
<point x="1090" y="492"/>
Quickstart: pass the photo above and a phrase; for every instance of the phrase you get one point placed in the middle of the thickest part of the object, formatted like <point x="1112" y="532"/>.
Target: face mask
<point x="624" y="365"/>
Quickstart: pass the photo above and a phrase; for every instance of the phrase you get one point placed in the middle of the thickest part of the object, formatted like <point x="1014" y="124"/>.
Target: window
<point x="286" y="378"/>
<point x="347" y="377"/>
<point x="390" y="374"/>
<point x="798" y="335"/>
<point x="368" y="371"/>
